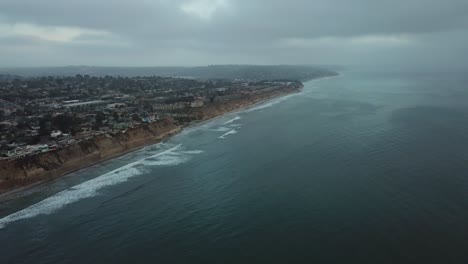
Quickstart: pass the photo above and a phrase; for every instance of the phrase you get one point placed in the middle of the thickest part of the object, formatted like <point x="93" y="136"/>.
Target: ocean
<point x="367" y="167"/>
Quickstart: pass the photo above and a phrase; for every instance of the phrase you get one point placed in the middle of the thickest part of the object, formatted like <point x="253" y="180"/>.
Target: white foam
<point x="72" y="195"/>
<point x="192" y="152"/>
<point x="170" y="157"/>
<point x="232" y="132"/>
<point x="270" y="103"/>
<point x="221" y="129"/>
<point x="232" y="120"/>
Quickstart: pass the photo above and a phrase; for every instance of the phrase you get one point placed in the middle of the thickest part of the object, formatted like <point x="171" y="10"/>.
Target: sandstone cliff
<point x="215" y="109"/>
<point x="46" y="166"/>
<point x="50" y="165"/>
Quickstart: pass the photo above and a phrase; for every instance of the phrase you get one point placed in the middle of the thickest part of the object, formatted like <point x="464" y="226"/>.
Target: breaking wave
<point x="221" y="129"/>
<point x="192" y="152"/>
<point x="232" y="120"/>
<point x="271" y="103"/>
<point x="232" y="132"/>
<point x="171" y="157"/>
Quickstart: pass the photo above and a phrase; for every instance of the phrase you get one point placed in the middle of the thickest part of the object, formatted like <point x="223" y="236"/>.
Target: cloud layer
<point x="199" y="32"/>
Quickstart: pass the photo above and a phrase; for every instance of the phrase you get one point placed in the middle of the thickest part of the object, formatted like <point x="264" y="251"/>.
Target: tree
<point x="28" y="111"/>
<point x="148" y="107"/>
<point x="67" y="123"/>
<point x="116" y="116"/>
<point x="135" y="117"/>
<point x="63" y="122"/>
<point x="100" y="117"/>
<point x="23" y="124"/>
<point x="44" y="126"/>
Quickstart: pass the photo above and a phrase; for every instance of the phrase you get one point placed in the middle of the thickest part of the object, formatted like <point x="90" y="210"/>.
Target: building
<point x="89" y="105"/>
<point x="116" y="106"/>
<point x="8" y="108"/>
<point x="197" y="103"/>
<point x="56" y="134"/>
<point x="226" y="98"/>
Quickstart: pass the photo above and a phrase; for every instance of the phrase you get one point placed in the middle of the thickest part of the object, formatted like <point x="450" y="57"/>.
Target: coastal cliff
<point x="50" y="165"/>
<point x="215" y="109"/>
<point x="47" y="166"/>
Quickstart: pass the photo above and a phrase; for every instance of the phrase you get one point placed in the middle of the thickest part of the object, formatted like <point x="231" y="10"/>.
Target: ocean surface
<point x="367" y="167"/>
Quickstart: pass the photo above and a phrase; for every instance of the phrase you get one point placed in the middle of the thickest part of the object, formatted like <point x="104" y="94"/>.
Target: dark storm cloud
<point x="157" y="32"/>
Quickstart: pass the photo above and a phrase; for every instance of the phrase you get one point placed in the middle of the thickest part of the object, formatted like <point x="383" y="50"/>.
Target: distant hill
<point x="255" y="72"/>
<point x="250" y="72"/>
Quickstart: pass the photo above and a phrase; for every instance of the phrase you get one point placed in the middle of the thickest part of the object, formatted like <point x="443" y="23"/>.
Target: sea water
<point x="367" y="167"/>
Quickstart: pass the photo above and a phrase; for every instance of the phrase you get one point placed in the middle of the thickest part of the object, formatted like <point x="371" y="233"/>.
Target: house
<point x="56" y="134"/>
<point x="8" y="108"/>
<point x="90" y="105"/>
<point x="197" y="103"/>
<point x="116" y="106"/>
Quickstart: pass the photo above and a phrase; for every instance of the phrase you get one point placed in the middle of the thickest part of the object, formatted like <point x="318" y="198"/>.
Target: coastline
<point x="17" y="191"/>
<point x="12" y="194"/>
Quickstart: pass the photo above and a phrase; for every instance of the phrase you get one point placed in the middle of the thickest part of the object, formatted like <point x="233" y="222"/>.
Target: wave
<point x="232" y="120"/>
<point x="221" y="129"/>
<point x="190" y="152"/>
<point x="171" y="157"/>
<point x="232" y="132"/>
<point x="286" y="97"/>
<point x="167" y="158"/>
<point x="270" y="103"/>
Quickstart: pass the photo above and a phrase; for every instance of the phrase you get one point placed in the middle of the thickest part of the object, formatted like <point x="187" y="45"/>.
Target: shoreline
<point x="11" y="195"/>
<point x="18" y="192"/>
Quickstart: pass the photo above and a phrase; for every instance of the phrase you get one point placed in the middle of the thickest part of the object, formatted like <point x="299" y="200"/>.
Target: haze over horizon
<point x="414" y="33"/>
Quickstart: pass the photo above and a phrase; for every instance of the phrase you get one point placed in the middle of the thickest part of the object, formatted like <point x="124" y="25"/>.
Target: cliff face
<point x="215" y="109"/>
<point x="50" y="165"/>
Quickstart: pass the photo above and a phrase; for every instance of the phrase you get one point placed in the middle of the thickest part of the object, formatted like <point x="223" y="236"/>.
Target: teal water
<point x="368" y="167"/>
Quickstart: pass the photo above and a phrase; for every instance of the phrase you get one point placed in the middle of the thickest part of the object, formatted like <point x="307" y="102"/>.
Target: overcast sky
<point x="201" y="32"/>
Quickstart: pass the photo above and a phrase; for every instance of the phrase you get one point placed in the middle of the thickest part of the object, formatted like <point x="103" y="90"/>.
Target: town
<point x="43" y="114"/>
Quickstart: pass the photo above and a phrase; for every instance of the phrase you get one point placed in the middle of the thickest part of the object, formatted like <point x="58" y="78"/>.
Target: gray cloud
<point x="195" y="32"/>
